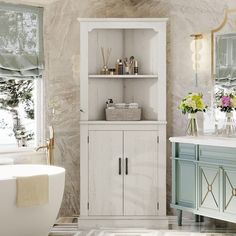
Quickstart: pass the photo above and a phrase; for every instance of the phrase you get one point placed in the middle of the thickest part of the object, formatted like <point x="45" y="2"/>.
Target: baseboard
<point x="160" y="222"/>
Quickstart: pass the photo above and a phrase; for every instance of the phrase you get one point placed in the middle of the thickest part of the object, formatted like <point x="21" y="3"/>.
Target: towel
<point x="32" y="190"/>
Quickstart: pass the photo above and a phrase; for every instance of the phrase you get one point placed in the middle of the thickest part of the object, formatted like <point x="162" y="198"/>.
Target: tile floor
<point x="68" y="227"/>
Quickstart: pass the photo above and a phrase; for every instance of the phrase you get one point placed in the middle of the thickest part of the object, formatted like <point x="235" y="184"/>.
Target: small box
<point x="122" y="114"/>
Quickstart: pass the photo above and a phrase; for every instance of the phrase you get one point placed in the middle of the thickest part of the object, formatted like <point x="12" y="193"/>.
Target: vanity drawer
<point x="186" y="151"/>
<point x="218" y="155"/>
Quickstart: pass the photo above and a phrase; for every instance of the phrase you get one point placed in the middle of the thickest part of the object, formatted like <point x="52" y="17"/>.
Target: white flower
<point x="190" y="103"/>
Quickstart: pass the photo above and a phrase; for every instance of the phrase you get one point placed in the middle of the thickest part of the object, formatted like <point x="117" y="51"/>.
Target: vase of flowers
<point x="226" y="102"/>
<point x="191" y="104"/>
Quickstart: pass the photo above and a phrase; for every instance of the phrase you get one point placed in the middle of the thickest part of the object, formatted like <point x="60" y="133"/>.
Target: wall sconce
<point x="196" y="46"/>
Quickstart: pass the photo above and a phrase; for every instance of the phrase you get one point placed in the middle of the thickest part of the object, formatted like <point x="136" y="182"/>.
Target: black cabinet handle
<point x="119" y="166"/>
<point x="126" y="166"/>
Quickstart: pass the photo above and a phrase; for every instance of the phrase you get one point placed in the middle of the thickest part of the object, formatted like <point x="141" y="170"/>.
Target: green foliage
<point x="12" y="94"/>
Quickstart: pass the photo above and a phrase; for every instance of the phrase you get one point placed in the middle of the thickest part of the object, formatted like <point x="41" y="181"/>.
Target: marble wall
<point x="62" y="67"/>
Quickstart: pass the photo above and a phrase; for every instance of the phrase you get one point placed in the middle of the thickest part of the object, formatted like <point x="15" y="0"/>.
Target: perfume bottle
<point x="120" y="67"/>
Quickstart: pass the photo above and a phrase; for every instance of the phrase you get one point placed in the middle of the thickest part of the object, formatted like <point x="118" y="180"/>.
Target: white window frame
<point x="39" y="113"/>
<point x="39" y="122"/>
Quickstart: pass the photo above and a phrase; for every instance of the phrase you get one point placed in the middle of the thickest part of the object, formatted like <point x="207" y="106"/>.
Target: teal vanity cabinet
<point x="204" y="177"/>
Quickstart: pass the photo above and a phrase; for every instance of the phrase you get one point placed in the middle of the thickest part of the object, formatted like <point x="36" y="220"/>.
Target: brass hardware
<point x="49" y="146"/>
<point x="234" y="192"/>
<point x="210" y="188"/>
<point x="197" y="36"/>
<point x="41" y="147"/>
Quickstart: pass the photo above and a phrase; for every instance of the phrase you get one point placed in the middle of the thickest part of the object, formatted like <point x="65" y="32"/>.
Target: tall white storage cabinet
<point x="123" y="163"/>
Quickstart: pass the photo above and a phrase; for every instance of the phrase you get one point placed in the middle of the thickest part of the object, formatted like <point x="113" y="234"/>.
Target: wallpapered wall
<point x="62" y="67"/>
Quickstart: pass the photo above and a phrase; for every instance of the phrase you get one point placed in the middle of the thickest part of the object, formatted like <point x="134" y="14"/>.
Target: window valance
<point x="21" y="41"/>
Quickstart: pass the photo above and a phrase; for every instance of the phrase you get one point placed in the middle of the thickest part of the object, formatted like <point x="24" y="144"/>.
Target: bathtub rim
<point x="57" y="170"/>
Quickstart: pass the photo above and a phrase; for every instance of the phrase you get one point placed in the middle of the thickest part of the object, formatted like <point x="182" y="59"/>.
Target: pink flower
<point x="225" y="101"/>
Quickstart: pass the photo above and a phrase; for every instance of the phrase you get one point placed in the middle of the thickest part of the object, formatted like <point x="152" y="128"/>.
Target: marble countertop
<point x="205" y="140"/>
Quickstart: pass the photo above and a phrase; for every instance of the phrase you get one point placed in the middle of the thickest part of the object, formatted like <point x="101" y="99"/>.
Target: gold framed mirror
<point x="223" y="53"/>
<point x="223" y="72"/>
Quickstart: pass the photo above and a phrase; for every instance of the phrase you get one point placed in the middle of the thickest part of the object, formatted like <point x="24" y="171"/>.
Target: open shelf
<point x="123" y="76"/>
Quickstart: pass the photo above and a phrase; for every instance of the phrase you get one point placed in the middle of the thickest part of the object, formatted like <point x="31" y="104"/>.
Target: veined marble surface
<point x="61" y="37"/>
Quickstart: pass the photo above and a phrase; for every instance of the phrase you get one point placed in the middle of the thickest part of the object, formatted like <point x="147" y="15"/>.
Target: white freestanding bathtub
<point x="29" y="221"/>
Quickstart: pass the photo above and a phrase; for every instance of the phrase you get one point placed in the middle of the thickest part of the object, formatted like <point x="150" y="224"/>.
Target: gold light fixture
<point x="196" y="46"/>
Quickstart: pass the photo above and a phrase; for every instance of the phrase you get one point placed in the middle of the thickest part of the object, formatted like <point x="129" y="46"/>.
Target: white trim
<point x="39" y="112"/>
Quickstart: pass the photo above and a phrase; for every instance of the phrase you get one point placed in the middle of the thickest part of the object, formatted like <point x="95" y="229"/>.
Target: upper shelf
<point x="123" y="76"/>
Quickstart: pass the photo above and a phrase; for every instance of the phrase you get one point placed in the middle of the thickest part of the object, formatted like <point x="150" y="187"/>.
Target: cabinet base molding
<point x="150" y="222"/>
<point x="208" y="213"/>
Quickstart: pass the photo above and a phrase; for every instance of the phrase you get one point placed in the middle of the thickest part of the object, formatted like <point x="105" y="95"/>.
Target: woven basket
<point x="123" y="114"/>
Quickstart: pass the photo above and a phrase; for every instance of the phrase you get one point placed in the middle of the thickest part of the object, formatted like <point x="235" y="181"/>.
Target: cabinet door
<point x="185" y="183"/>
<point x="105" y="178"/>
<point x="209" y="187"/>
<point x="229" y="190"/>
<point x="140" y="173"/>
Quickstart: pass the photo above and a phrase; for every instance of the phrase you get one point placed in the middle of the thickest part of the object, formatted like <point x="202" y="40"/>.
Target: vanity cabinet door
<point x="105" y="174"/>
<point x="229" y="190"/>
<point x="141" y="173"/>
<point x="209" y="187"/>
<point x="185" y="183"/>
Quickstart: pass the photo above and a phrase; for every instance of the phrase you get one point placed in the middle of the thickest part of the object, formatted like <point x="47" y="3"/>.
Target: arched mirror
<point x="223" y="63"/>
<point x="224" y="52"/>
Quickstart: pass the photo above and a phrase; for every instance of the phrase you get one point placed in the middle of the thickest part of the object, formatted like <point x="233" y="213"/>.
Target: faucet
<point x="49" y="146"/>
